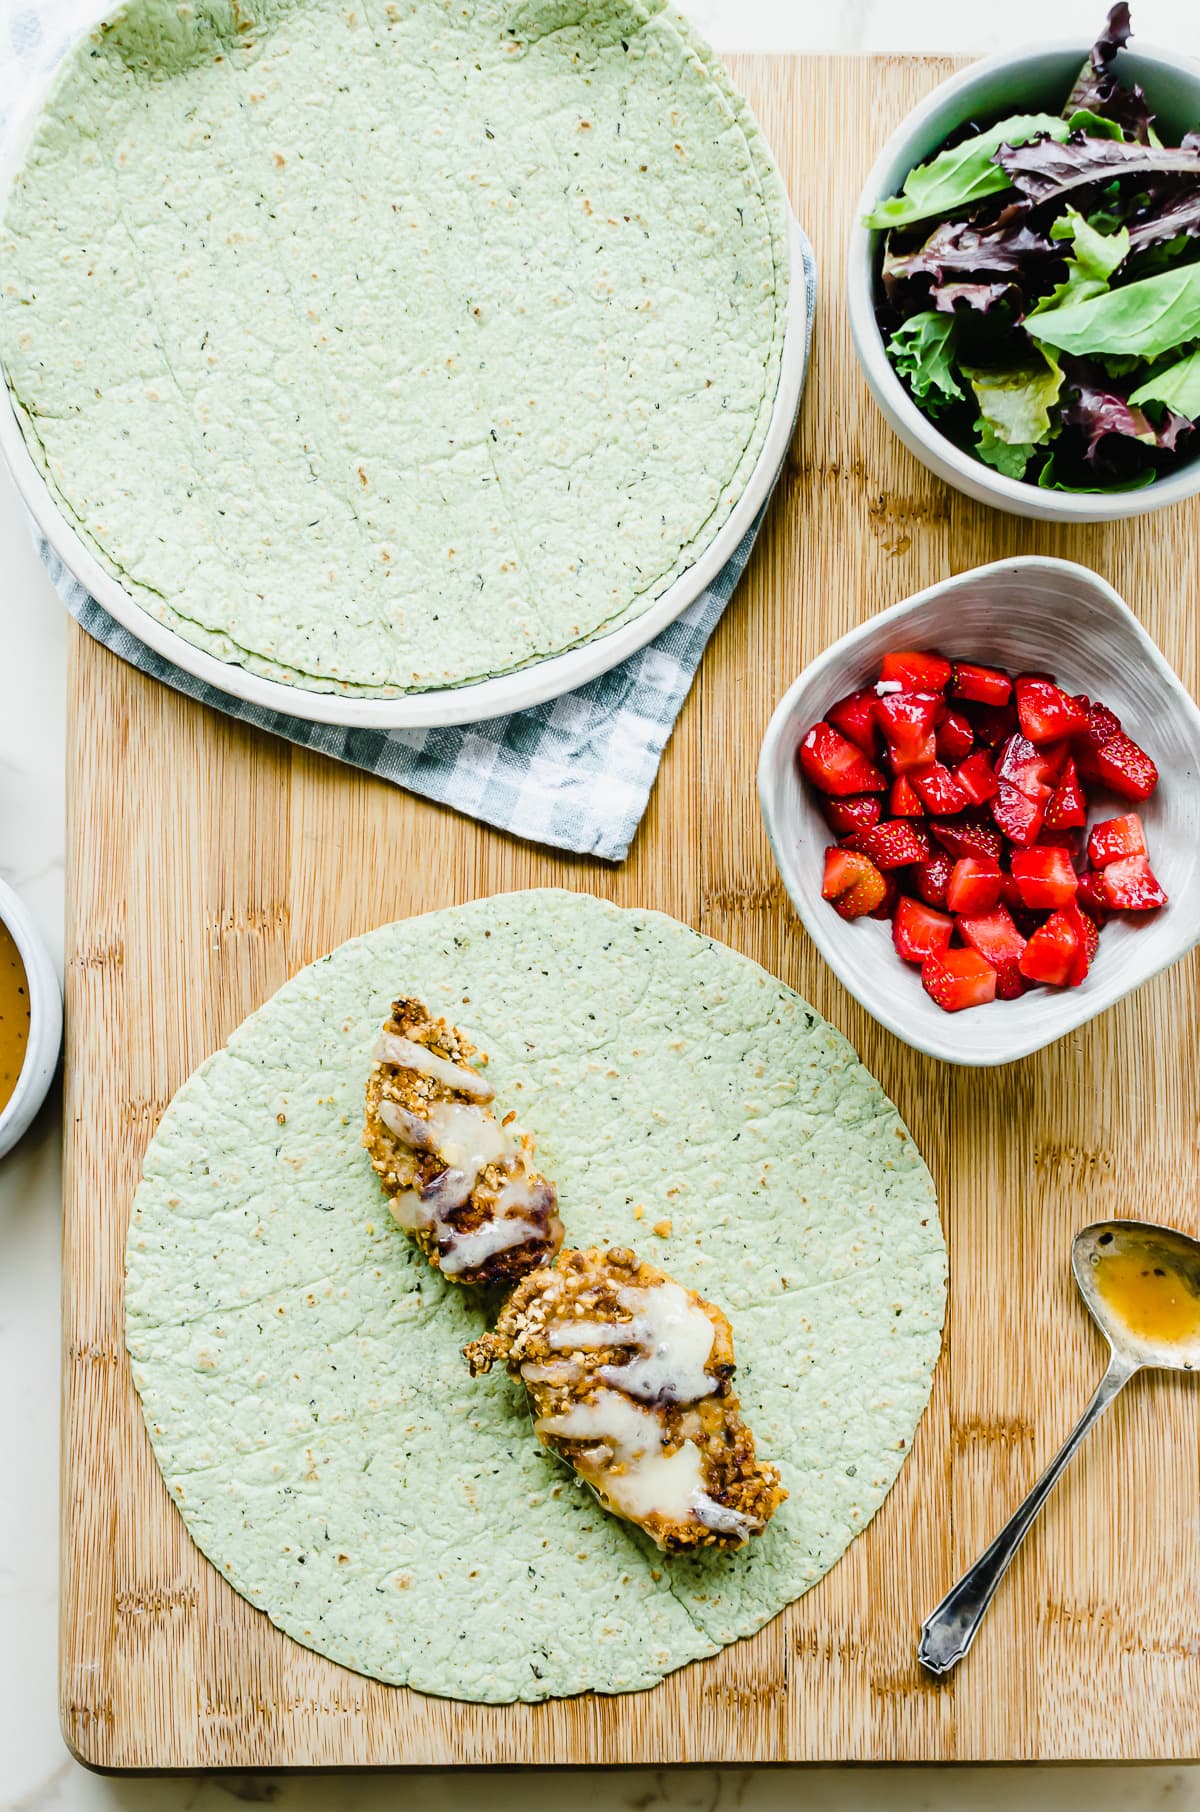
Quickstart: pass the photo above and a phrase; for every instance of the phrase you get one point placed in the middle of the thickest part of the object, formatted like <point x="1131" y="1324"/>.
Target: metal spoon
<point x="1141" y="1283"/>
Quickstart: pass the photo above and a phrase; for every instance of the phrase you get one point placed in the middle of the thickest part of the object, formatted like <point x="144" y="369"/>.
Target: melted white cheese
<point x="673" y="1335"/>
<point x="475" y="1248"/>
<point x="468" y="1138"/>
<point x="647" y="1479"/>
<point x="721" y="1519"/>
<point x="410" y="1212"/>
<point x="390" y="1048"/>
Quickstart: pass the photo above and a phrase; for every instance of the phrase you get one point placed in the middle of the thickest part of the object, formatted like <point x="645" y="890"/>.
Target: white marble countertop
<point x="36" y="1774"/>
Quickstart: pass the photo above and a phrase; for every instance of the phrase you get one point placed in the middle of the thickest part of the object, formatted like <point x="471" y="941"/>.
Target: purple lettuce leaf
<point x="1045" y="170"/>
<point x="1093" y="406"/>
<point x="1164" y="217"/>
<point x="1097" y="89"/>
<point x="980" y="296"/>
<point x="968" y="247"/>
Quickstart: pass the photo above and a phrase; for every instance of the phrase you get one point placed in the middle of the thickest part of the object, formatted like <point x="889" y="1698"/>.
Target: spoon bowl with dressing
<point x="1141" y="1284"/>
<point x="30" y="1019"/>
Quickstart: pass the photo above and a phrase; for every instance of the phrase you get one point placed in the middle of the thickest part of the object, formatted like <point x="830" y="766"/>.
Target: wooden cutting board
<point x="209" y="862"/>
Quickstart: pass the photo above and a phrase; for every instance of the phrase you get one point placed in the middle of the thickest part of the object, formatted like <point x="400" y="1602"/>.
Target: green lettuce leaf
<point x="1015" y="401"/>
<point x="1010" y="460"/>
<point x="1096" y="256"/>
<point x="1084" y="120"/>
<point x="962" y="175"/>
<point x="1177" y="385"/>
<point x="1149" y="318"/>
<point x="1048" y="480"/>
<point x="922" y="351"/>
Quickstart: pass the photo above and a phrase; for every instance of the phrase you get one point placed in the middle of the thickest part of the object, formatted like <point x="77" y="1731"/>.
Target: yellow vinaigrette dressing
<point x="14" y="1016"/>
<point x="1152" y="1299"/>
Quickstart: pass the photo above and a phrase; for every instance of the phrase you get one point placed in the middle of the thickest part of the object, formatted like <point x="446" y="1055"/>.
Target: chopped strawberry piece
<point x="1032" y="771"/>
<point x="1017" y="815"/>
<point x="846" y="815"/>
<point x="916" y="672"/>
<point x="1102" y="726"/>
<point x="1130" y="885"/>
<point x="890" y="900"/>
<point x="852" y="883"/>
<point x="974" y="886"/>
<point x="967" y="836"/>
<point x="939" y="791"/>
<point x="992" y="724"/>
<point x="1091" y="895"/>
<point x="835" y="765"/>
<point x="999" y="942"/>
<point x="1045" y="877"/>
<point x="1114" y="838"/>
<point x="955" y="738"/>
<point x="1047" y="713"/>
<point x="904" y="802"/>
<point x="1068" y="807"/>
<point x="984" y="685"/>
<point x="918" y="931"/>
<point x="932" y="878"/>
<point x="1051" y="953"/>
<point x="958" y="978"/>
<point x="855" y="717"/>
<point x="893" y="844"/>
<point x="1089" y="943"/>
<point x="909" y="720"/>
<point x="1126" y="768"/>
<point x="977" y="778"/>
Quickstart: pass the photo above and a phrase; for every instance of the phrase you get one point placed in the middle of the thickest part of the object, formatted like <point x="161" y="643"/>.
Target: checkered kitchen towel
<point x="575" y="773"/>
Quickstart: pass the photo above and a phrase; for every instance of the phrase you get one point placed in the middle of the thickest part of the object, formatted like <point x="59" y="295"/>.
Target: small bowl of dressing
<point x="30" y="1019"/>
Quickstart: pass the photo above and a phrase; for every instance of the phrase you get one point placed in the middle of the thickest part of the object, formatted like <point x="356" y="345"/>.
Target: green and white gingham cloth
<point x="575" y="773"/>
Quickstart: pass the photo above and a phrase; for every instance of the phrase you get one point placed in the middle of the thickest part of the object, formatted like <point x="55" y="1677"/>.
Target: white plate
<point x="531" y="685"/>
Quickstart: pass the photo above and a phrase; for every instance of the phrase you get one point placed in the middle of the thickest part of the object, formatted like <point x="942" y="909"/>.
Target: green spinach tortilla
<point x="383" y="345"/>
<point x="299" y="1363"/>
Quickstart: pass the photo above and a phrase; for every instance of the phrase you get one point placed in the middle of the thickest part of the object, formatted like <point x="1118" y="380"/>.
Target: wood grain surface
<point x="209" y="862"/>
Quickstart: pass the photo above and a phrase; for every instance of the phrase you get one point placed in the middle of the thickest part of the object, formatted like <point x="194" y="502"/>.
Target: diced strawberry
<point x="1068" y="807"/>
<point x="904" y="801"/>
<point x="958" y="978"/>
<point x="1091" y="895"/>
<point x="1130" y="885"/>
<point x="846" y="815"/>
<point x="938" y="790"/>
<point x="1051" y="953"/>
<point x="1018" y="816"/>
<point x="908" y="721"/>
<point x="893" y="844"/>
<point x="1126" y="768"/>
<point x="835" y="765"/>
<point x="1089" y="943"/>
<point x="855" y="717"/>
<point x="984" y="685"/>
<point x="1047" y="713"/>
<point x="852" y="883"/>
<point x="999" y="942"/>
<point x="1114" y="838"/>
<point x="932" y="878"/>
<point x="1032" y="771"/>
<point x="1102" y="726"/>
<point x="955" y="738"/>
<point x="974" y="886"/>
<point x="966" y="835"/>
<point x="977" y="778"/>
<point x="1045" y="877"/>
<point x="993" y="724"/>
<point x="890" y="900"/>
<point x="918" y="931"/>
<point x="1070" y="840"/>
<point x="917" y="672"/>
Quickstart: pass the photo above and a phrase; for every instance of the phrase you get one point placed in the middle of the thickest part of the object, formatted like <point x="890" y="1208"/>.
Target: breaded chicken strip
<point x="459" y="1180"/>
<point x="629" y="1374"/>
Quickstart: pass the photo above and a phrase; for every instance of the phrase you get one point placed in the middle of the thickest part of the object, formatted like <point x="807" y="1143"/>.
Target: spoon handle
<point x="949" y="1631"/>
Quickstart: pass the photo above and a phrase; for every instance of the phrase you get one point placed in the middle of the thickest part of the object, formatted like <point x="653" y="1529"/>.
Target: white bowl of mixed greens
<point x="1024" y="280"/>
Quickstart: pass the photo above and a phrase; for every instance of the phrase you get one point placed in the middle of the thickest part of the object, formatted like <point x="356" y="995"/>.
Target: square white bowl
<point x="1019" y="614"/>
